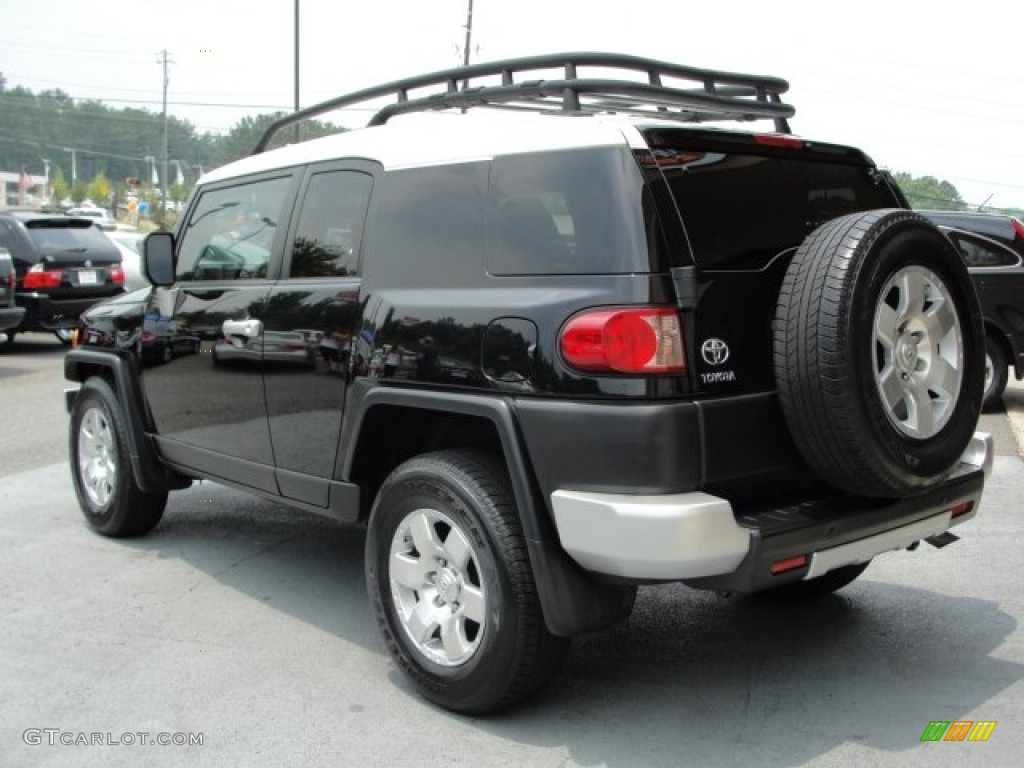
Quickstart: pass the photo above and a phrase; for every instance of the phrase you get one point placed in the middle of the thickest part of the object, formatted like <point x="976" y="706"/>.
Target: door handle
<point x="247" y="328"/>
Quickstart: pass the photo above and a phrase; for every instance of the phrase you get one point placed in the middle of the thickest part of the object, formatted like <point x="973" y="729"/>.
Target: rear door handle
<point x="247" y="328"/>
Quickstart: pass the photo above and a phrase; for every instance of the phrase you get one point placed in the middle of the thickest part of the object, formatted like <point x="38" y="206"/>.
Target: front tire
<point x="101" y="471"/>
<point x="996" y="373"/>
<point x="449" y="580"/>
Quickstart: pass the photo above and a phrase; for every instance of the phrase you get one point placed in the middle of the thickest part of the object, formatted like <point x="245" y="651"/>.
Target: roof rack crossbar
<point x="717" y="95"/>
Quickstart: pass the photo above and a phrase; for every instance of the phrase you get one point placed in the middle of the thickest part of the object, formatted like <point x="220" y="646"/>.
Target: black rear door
<point x="312" y="316"/>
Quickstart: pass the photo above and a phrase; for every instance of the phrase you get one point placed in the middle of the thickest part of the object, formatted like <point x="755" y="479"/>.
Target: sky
<point x="930" y="88"/>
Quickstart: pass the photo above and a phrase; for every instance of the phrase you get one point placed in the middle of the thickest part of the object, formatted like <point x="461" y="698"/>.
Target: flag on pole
<point x="24" y="185"/>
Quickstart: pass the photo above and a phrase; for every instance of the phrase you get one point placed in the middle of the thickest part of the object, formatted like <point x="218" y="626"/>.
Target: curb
<point x="1013" y="400"/>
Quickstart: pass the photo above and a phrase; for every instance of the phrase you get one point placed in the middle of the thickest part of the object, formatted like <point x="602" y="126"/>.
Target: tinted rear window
<point x="56" y="236"/>
<point x="740" y="210"/>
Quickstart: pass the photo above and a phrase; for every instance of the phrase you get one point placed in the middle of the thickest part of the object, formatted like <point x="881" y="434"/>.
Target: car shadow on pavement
<point x="690" y="674"/>
<point x="33" y="344"/>
<point x="748" y="681"/>
<point x="308" y="566"/>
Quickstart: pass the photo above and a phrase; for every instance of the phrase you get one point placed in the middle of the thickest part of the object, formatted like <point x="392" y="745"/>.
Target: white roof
<point x="439" y="139"/>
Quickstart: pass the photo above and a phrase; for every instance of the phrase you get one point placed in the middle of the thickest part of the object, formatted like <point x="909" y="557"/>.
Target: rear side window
<point x="231" y="232"/>
<point x="8" y="239"/>
<point x="429" y="226"/>
<point x="575" y="212"/>
<point x="330" y="223"/>
<point x="981" y="252"/>
<point x="741" y="210"/>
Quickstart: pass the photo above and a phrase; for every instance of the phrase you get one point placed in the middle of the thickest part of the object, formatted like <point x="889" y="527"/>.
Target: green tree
<point x="243" y="136"/>
<point x="98" y="189"/>
<point x="79" y="191"/>
<point x="60" y="186"/>
<point x="927" y="192"/>
<point x="178" y="193"/>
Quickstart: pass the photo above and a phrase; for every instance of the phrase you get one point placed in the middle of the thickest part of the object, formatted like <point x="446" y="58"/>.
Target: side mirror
<point x="158" y="258"/>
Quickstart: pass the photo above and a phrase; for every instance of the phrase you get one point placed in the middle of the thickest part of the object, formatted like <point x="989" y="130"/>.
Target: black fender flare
<point x="121" y="373"/>
<point x="572" y="602"/>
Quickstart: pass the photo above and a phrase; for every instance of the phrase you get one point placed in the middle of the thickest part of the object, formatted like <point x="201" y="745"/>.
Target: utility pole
<point x="74" y="165"/>
<point x="163" y="156"/>
<point x="298" y="126"/>
<point x="469" y="33"/>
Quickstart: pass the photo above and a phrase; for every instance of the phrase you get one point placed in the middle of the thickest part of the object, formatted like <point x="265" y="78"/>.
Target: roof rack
<point x="704" y="94"/>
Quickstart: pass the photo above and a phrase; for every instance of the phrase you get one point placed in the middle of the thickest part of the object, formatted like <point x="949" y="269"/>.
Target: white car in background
<point x="98" y="215"/>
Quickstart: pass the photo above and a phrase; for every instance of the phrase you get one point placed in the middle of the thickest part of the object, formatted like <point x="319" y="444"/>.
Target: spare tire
<point x="879" y="353"/>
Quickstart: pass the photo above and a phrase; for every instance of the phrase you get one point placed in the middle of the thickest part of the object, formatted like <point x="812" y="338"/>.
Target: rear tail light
<point x="961" y="509"/>
<point x="788" y="564"/>
<point x="634" y="340"/>
<point x="116" y="274"/>
<point x="1018" y="228"/>
<point x="40" y="277"/>
<point x="778" y="140"/>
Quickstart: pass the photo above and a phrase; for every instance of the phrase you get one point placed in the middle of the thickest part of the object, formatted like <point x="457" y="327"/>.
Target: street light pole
<point x="74" y="167"/>
<point x="469" y="33"/>
<point x="298" y="126"/>
<point x="163" y="156"/>
<point x="46" y="172"/>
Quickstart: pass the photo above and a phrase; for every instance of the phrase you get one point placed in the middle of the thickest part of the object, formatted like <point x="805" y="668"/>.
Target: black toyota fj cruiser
<point x="547" y="359"/>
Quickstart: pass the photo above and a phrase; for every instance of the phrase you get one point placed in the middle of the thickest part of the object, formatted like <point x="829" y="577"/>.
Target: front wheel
<point x="449" y="579"/>
<point x="995" y="374"/>
<point x="110" y="499"/>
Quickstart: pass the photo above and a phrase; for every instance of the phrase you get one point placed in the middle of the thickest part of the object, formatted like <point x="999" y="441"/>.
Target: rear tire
<point x="996" y="374"/>
<point x="110" y="499"/>
<point x="451" y="585"/>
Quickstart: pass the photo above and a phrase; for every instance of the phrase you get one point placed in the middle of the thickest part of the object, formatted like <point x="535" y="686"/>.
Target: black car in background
<point x="63" y="266"/>
<point x="10" y="312"/>
<point x="993" y="248"/>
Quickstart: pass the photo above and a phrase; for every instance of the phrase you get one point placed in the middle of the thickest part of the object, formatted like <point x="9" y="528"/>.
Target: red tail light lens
<point x="778" y="140"/>
<point x="38" y="277"/>
<point x="635" y="340"/>
<point x="116" y="274"/>
<point x="788" y="564"/>
<point x="1018" y="228"/>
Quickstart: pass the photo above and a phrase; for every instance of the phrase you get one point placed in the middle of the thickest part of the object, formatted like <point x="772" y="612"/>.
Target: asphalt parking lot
<point x="245" y="624"/>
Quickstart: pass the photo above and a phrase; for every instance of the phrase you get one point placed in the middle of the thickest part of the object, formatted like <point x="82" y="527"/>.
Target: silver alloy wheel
<point x="437" y="587"/>
<point x="990" y="372"/>
<point x="97" y="465"/>
<point x="918" y="352"/>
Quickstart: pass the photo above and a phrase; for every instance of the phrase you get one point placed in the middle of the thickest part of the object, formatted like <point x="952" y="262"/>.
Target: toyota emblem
<point x="714" y="351"/>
